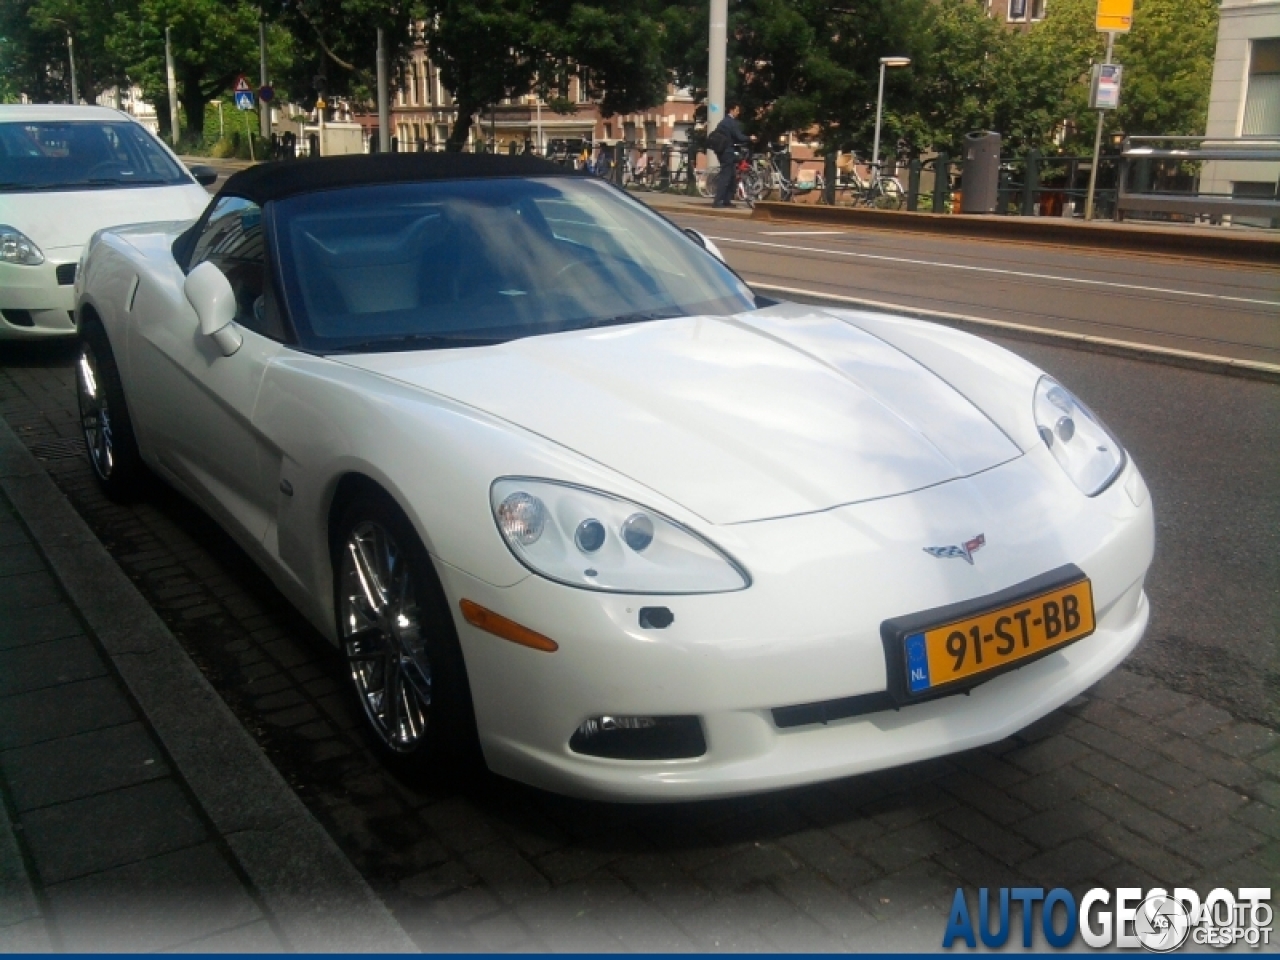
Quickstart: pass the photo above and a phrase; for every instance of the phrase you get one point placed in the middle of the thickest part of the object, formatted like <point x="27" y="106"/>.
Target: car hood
<point x="771" y="413"/>
<point x="59" y="219"/>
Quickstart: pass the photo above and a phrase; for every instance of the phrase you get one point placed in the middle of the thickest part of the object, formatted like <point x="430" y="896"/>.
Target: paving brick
<point x="985" y="798"/>
<point x="992" y="838"/>
<point x="56" y="771"/>
<point x="1243" y="740"/>
<point x="1048" y="790"/>
<point x="1221" y="844"/>
<point x="1260" y="817"/>
<point x="1137" y="785"/>
<point x="1052" y="828"/>
<point x="1073" y="862"/>
<point x="1150" y="856"/>
<point x="1157" y="702"/>
<point x="1128" y="812"/>
<point x="1135" y="753"/>
<point x="1119" y="685"/>
<point x="1049" y="754"/>
<point x="37" y="624"/>
<point x="906" y="807"/>
<point x="1198" y="719"/>
<point x="19" y="558"/>
<point x="972" y="865"/>
<point x="1203" y="806"/>
<point x="62" y="711"/>
<point x="991" y="768"/>
<point x="823" y="852"/>
<point x="109" y="830"/>
<point x="903" y="847"/>
<point x="156" y="904"/>
<point x="46" y="664"/>
<point x="1269" y="763"/>
<point x="1209" y="763"/>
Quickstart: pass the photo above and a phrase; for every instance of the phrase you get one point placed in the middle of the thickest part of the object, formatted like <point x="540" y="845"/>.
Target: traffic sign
<point x="242" y="85"/>
<point x="244" y="100"/>
<point x="1115" y="16"/>
<point x="266" y="94"/>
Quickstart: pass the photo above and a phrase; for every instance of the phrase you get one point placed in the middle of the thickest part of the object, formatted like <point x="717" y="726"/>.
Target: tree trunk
<point x="461" y="127"/>
<point x="191" y="98"/>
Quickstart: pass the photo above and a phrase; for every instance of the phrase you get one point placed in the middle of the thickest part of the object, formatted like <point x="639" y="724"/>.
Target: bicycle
<point x="774" y="179"/>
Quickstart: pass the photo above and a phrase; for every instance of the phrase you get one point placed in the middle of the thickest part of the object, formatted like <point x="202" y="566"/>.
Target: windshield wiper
<point x="638" y="317"/>
<point x="129" y="180"/>
<point x="416" y="341"/>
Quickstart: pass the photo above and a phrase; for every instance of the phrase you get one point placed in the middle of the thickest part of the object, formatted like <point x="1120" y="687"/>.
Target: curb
<point x="1194" y="243"/>
<point x="318" y="899"/>
<point x="1204" y="362"/>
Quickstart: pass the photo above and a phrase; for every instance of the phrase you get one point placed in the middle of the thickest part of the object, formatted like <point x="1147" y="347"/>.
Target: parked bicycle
<point x="769" y="170"/>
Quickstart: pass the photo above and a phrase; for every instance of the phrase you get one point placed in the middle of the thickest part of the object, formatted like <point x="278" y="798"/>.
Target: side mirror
<point x="702" y="240"/>
<point x="205" y="175"/>
<point x="209" y="292"/>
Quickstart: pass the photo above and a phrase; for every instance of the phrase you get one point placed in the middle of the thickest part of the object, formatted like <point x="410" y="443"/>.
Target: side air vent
<point x="66" y="274"/>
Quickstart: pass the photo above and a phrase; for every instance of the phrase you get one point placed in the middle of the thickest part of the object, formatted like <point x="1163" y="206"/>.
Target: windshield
<point x="460" y="263"/>
<point x="82" y="155"/>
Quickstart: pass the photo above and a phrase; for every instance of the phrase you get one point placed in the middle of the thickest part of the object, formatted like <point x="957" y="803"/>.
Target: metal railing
<point x="1180" y="179"/>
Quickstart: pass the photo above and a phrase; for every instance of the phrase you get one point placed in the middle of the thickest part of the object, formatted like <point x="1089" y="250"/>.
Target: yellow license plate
<point x="956" y="651"/>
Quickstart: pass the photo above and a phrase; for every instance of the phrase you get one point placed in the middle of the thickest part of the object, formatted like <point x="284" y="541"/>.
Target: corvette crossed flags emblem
<point x="965" y="551"/>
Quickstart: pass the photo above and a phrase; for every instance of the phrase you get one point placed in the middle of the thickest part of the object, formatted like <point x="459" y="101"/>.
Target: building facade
<point x="1244" y="100"/>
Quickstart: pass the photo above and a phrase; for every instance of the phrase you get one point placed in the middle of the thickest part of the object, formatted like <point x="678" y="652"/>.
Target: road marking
<point x="802" y="233"/>
<point x="1268" y="371"/>
<point x="1008" y="273"/>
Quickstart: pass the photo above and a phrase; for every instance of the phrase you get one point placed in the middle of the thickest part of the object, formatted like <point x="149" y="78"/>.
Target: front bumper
<point x="34" y="304"/>
<point x="807" y="631"/>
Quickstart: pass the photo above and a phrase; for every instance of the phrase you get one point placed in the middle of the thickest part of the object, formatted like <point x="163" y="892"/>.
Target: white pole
<point x="717" y="44"/>
<point x="1097" y="141"/>
<point x="542" y="145"/>
<point x="875" y="149"/>
<point x="173" y="86"/>
<point x="71" y="58"/>
<point x="222" y="129"/>
<point x="384" y="109"/>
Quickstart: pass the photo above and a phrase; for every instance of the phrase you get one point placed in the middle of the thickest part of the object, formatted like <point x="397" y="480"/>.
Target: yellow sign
<point x="320" y="105"/>
<point x="1115" y="16"/>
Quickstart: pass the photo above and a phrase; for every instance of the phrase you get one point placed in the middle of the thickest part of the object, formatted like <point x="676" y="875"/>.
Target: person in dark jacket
<point x="727" y="181"/>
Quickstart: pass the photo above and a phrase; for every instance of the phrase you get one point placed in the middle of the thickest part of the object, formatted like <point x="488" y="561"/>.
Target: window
<point x="1017" y="10"/>
<point x="82" y="155"/>
<point x="232" y="241"/>
<point x="1037" y="9"/>
<point x="1262" y="96"/>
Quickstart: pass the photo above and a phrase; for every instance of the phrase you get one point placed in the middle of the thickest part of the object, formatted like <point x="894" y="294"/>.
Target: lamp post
<point x="875" y="149"/>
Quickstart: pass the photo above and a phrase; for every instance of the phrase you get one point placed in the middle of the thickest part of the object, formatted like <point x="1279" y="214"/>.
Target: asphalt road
<point x="1182" y="304"/>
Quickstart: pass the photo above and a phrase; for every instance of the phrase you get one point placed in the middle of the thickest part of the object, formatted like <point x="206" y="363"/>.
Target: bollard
<point x="941" y="182"/>
<point x="829" y="173"/>
<point x="1031" y="183"/>
<point x="395" y="144"/>
<point x="1004" y="190"/>
<point x="619" y="162"/>
<point x="913" y="184"/>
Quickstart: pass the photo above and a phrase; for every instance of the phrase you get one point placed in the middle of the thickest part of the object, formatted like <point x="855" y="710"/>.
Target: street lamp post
<point x="71" y="57"/>
<point x="875" y="149"/>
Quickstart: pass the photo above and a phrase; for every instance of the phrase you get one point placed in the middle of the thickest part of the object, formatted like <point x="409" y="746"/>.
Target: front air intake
<point x="640" y="738"/>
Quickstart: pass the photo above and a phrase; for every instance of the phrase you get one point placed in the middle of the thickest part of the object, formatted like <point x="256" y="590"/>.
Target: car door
<point x="198" y="403"/>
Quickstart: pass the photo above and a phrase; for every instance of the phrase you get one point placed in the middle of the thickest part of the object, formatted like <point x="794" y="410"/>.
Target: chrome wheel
<point x="95" y="413"/>
<point x="383" y="636"/>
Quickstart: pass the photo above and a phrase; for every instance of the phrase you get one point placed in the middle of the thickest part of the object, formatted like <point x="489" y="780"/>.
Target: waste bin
<point x="981" y="172"/>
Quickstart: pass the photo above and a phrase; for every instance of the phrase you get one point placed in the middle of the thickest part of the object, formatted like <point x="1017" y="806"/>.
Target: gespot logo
<point x="1125" y="918"/>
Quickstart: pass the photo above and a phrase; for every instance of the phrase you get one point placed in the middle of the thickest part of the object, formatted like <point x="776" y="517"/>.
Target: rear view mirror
<point x="205" y="175"/>
<point x="702" y="240"/>
<point x="209" y="292"/>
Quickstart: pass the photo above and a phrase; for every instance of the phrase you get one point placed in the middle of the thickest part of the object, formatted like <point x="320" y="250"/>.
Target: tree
<point x="213" y="42"/>
<point x="490" y="50"/>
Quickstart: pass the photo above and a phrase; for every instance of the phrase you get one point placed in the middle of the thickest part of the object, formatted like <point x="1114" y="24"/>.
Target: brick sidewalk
<point x="1133" y="784"/>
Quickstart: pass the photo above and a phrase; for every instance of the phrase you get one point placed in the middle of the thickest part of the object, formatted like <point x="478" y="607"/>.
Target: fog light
<point x="640" y="738"/>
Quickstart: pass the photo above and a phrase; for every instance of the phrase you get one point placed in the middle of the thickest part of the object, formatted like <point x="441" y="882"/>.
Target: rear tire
<point x="104" y="418"/>
<point x="399" y="641"/>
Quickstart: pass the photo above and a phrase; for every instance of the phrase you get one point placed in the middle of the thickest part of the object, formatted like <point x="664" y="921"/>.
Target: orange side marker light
<point x="500" y="626"/>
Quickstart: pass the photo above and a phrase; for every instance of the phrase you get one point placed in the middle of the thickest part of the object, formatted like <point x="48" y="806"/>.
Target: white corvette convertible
<point x="556" y="483"/>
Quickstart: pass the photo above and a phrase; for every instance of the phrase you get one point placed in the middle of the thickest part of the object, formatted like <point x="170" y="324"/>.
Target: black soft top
<point x="288" y="178"/>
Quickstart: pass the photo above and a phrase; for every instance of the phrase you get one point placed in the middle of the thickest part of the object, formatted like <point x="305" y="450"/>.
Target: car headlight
<point x="585" y="538"/>
<point x="17" y="247"/>
<point x="1083" y="447"/>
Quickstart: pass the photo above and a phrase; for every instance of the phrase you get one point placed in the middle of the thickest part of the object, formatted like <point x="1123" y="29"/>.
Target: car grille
<point x="66" y="274"/>
<point x="19" y="318"/>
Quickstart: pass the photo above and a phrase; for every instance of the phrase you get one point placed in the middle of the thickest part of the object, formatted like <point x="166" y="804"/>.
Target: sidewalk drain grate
<point x="61" y="449"/>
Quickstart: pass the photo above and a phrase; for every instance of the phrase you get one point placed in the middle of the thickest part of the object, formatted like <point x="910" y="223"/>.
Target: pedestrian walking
<point x="724" y="141"/>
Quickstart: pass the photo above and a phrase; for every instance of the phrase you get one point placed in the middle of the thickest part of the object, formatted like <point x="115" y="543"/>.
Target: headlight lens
<point x="17" y="247"/>
<point x="585" y="538"/>
<point x="1083" y="447"/>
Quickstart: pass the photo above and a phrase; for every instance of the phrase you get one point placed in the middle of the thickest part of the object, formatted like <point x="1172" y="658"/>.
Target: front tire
<point x="104" y="417"/>
<point x="399" y="640"/>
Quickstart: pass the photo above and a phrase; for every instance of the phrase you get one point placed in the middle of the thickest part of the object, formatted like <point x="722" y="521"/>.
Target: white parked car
<point x="66" y="171"/>
<point x="550" y="476"/>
